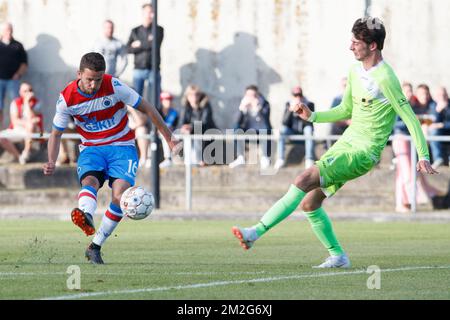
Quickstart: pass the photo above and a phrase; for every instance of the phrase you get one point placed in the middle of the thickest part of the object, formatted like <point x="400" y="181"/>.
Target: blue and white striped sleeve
<point x="62" y="115"/>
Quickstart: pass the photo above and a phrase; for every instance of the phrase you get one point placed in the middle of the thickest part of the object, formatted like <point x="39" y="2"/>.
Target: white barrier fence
<point x="188" y="145"/>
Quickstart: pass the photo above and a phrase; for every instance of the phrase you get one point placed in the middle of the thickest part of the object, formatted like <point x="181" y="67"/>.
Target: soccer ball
<point x="137" y="203"/>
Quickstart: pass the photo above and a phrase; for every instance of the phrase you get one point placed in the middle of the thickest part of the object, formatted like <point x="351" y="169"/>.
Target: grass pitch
<point x="202" y="260"/>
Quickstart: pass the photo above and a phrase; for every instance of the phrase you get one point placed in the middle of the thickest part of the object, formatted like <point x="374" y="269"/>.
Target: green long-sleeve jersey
<point x="371" y="100"/>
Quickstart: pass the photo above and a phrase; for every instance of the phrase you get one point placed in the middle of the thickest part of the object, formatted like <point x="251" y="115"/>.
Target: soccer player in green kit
<point x="372" y="99"/>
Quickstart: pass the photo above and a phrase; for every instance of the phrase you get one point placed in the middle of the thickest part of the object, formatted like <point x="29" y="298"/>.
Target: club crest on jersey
<point x="107" y="102"/>
<point x="402" y="101"/>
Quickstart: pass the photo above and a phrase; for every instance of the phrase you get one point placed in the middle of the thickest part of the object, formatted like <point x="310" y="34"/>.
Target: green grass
<point x="35" y="254"/>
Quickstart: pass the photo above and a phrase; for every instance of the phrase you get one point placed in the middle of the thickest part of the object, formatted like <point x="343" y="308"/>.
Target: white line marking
<point x="210" y="273"/>
<point x="225" y="283"/>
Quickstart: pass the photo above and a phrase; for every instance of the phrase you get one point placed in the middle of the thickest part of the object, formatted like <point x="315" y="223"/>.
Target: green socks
<point x="318" y="219"/>
<point x="323" y="229"/>
<point x="280" y="210"/>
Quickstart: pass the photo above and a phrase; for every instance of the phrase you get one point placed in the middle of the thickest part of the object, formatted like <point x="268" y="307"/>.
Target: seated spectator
<point x="401" y="147"/>
<point x="196" y="118"/>
<point x="407" y="89"/>
<point x="68" y="148"/>
<point x="26" y="119"/>
<point x="424" y="110"/>
<point x="424" y="104"/>
<point x="441" y="126"/>
<point x="137" y="121"/>
<point x="339" y="127"/>
<point x="292" y="125"/>
<point x="170" y="116"/>
<point x="254" y="113"/>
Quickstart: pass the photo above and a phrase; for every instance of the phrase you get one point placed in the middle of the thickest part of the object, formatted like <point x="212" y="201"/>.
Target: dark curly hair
<point x="370" y="29"/>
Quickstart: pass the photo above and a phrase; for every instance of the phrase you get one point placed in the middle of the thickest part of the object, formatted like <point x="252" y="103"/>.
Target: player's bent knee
<point x="303" y="181"/>
<point x="308" y="205"/>
<point x="91" y="181"/>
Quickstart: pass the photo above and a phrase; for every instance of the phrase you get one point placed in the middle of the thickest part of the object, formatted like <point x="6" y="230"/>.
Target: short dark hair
<point x="145" y="5"/>
<point x="93" y="61"/>
<point x="423" y="86"/>
<point x="252" y="87"/>
<point x="370" y="29"/>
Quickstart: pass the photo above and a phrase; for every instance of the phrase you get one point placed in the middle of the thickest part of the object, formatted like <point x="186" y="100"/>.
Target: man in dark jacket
<point x="292" y="125"/>
<point x="140" y="44"/>
<point x="254" y="114"/>
<point x="13" y="65"/>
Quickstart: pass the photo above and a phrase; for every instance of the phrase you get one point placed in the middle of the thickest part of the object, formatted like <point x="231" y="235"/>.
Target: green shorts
<point x="341" y="163"/>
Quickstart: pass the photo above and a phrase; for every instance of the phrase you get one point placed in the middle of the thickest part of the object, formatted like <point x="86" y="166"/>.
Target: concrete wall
<point x="224" y="45"/>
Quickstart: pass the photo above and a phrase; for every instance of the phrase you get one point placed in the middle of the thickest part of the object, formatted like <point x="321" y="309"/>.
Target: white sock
<point x="110" y="221"/>
<point x="87" y="200"/>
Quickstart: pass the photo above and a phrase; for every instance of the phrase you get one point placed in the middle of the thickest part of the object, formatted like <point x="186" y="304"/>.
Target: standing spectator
<point x="13" y="65"/>
<point x="114" y="51"/>
<point x="140" y="44"/>
<point x="196" y="111"/>
<point x="293" y="124"/>
<point x="441" y="126"/>
<point x="170" y="116"/>
<point x="254" y="113"/>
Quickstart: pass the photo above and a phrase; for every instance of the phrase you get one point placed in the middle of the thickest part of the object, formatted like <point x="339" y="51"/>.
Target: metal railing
<point x="276" y="136"/>
<point x="188" y="143"/>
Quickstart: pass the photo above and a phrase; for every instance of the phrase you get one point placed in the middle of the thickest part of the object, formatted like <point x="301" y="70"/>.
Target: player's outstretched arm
<point x="425" y="166"/>
<point x="157" y="120"/>
<point x="53" y="150"/>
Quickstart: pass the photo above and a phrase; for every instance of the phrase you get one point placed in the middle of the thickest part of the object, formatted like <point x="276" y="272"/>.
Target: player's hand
<point x="176" y="148"/>
<point x="425" y="166"/>
<point x="136" y="44"/>
<point x="301" y="109"/>
<point x="49" y="168"/>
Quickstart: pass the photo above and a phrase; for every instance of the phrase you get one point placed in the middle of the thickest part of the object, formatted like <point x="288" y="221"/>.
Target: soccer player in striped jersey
<point x="372" y="99"/>
<point x="98" y="103"/>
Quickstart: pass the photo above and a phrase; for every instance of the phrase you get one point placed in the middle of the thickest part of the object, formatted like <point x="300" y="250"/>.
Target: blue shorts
<point x="108" y="163"/>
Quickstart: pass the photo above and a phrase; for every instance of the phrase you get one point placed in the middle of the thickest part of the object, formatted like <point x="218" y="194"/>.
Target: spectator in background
<point x="292" y="124"/>
<point x="441" y="126"/>
<point x="26" y="119"/>
<point x="140" y="44"/>
<point x="113" y="50"/>
<point x="13" y="65"/>
<point x="424" y="109"/>
<point x="170" y="116"/>
<point x="402" y="150"/>
<point x="254" y="113"/>
<point x="407" y="89"/>
<point x="424" y="103"/>
<point x="68" y="148"/>
<point x="137" y="121"/>
<point x="196" y="110"/>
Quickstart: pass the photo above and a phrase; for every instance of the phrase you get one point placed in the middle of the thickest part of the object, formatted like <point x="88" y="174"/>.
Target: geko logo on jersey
<point x="91" y="124"/>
